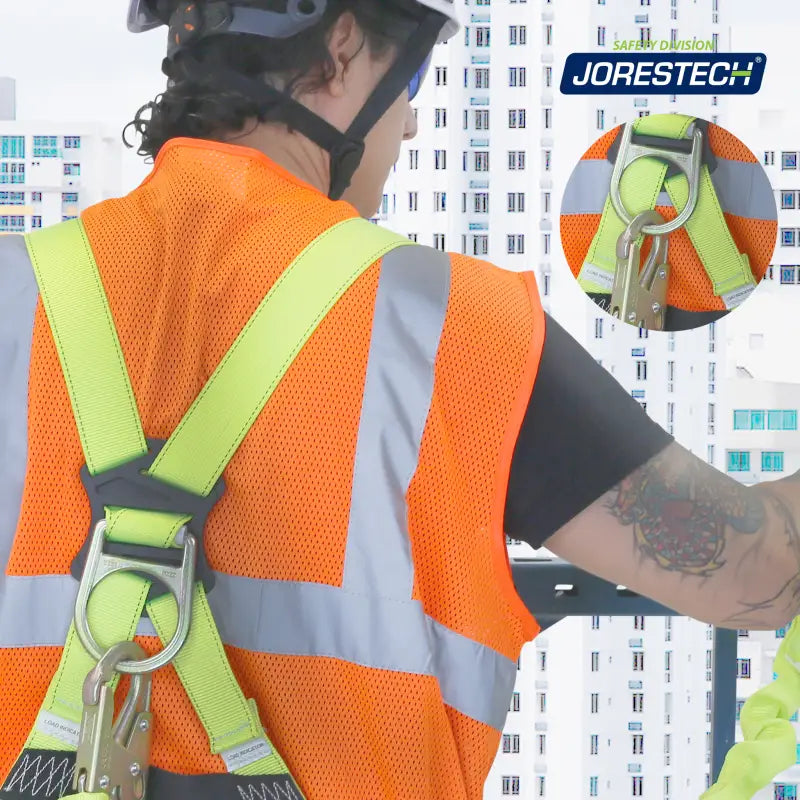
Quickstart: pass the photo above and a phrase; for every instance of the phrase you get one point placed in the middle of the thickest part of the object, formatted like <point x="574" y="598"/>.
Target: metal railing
<point x="536" y="581"/>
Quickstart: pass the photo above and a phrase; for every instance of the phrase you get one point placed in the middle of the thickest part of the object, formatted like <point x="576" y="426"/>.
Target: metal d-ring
<point x="179" y="580"/>
<point x="688" y="163"/>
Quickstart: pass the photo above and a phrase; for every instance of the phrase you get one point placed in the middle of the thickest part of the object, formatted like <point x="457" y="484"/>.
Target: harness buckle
<point x="640" y="298"/>
<point x="689" y="163"/>
<point x="179" y="580"/>
<point x="114" y="756"/>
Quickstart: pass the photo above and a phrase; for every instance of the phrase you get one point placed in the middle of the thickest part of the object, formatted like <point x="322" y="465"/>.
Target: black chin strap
<point x="346" y="149"/>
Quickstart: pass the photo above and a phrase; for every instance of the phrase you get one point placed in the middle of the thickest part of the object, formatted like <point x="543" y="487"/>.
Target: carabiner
<point x="114" y="757"/>
<point x="688" y="163"/>
<point x="640" y="298"/>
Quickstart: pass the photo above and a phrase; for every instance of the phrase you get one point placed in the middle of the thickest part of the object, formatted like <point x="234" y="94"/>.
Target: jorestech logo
<point x="670" y="73"/>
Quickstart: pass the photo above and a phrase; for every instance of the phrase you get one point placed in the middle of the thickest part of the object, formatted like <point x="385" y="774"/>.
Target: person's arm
<point x="679" y="531"/>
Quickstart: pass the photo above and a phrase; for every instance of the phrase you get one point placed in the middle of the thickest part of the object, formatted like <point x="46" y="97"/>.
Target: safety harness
<point x="669" y="151"/>
<point x="150" y="501"/>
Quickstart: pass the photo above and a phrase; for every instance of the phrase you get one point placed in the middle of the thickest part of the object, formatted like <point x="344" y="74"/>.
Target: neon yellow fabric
<point x="90" y="337"/>
<point x="769" y="745"/>
<point x="194" y="457"/>
<point x="639" y="187"/>
<point x="727" y="268"/>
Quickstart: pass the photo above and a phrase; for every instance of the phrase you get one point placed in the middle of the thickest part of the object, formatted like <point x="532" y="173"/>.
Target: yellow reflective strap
<point x="88" y="345"/>
<point x="769" y="745"/>
<point x="639" y="188"/>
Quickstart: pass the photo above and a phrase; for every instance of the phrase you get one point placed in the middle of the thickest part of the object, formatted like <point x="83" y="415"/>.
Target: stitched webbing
<point x="97" y="380"/>
<point x="728" y="270"/>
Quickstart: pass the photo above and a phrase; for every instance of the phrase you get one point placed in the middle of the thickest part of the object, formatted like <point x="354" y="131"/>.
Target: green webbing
<point x="224" y="412"/>
<point x="639" y="187"/>
<point x="769" y="745"/>
<point x="728" y="269"/>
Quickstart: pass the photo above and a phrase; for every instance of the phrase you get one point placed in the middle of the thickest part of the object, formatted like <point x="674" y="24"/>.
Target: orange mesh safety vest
<point x="185" y="259"/>
<point x="751" y="222"/>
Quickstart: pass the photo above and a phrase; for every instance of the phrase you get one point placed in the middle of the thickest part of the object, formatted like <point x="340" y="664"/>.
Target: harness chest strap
<point x="193" y="459"/>
<point x="728" y="270"/>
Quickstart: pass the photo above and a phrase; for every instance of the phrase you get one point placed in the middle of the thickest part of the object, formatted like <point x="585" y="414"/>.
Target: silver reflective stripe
<point x="18" y="296"/>
<point x="372" y="620"/>
<point x="306" y="619"/>
<point x="742" y="189"/>
<point x="409" y="316"/>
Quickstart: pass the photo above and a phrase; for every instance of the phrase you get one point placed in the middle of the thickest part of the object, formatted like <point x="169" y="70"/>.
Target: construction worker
<point x="353" y="422"/>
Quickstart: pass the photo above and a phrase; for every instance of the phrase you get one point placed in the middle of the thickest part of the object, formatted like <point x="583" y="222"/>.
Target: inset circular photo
<point x="668" y="222"/>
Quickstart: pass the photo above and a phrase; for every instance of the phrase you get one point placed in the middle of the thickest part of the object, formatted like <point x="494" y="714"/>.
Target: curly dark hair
<point x="193" y="107"/>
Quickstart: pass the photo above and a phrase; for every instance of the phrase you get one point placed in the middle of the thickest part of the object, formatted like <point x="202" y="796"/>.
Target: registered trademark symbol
<point x="758" y="59"/>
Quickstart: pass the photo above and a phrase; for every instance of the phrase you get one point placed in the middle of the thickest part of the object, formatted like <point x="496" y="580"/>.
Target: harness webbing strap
<point x="727" y="269"/>
<point x="192" y="459"/>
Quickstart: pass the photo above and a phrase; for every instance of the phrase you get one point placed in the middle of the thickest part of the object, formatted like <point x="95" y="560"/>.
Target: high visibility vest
<point x="735" y="180"/>
<point x="362" y="586"/>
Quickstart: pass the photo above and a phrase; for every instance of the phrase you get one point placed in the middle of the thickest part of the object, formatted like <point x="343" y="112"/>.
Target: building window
<point x="482" y="78"/>
<point x="481" y="160"/>
<point x="769" y="158"/>
<point x="412" y="237"/>
<point x="514" y="702"/>
<point x="542" y="660"/>
<point x="788" y="160"/>
<point x="638" y="744"/>
<point x="545" y="244"/>
<point x="637" y="789"/>
<point x="481" y="202"/>
<point x="540" y="785"/>
<point x="638" y="702"/>
<point x="438" y="241"/>
<point x="785" y="791"/>
<point x="516" y="159"/>
<point x="641" y="370"/>
<point x="601" y="119"/>
<point x="788" y="273"/>
<point x="72" y="142"/>
<point x="480" y="245"/>
<point x="548" y="35"/>
<point x="440" y="159"/>
<point x="46" y="147"/>
<point x="594" y="702"/>
<point x="546" y="287"/>
<point x="482" y="36"/>
<point x="541" y="702"/>
<point x="36" y="222"/>
<point x="788" y="199"/>
<point x="788" y="237"/>
<point x="517" y="34"/>
<point x="413" y="159"/>
<point x="547" y="77"/>
<point x="742" y="667"/>
<point x="516" y="202"/>
<point x="510" y="784"/>
<point x="541" y="744"/>
<point x="593" y="786"/>
<point x="738" y="460"/>
<point x="440" y="118"/>
<point x="441" y="76"/>
<point x="517" y="76"/>
<point x="12" y="147"/>
<point x="772" y="461"/>
<point x="440" y="201"/>
<point x="595" y="661"/>
<point x="593" y="744"/>
<point x="482" y="120"/>
<point x="413" y="200"/>
<point x="638" y="622"/>
<point x="601" y="35"/>
<point x="547" y="159"/>
<point x="598" y="334"/>
<point x="638" y="661"/>
<point x="516" y="118"/>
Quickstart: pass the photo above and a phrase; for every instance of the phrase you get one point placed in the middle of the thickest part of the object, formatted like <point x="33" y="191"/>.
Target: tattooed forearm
<point x="679" y="516"/>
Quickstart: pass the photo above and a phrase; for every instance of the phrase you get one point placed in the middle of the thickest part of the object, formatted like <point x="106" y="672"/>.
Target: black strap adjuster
<point x="128" y="486"/>
<point x="676" y="145"/>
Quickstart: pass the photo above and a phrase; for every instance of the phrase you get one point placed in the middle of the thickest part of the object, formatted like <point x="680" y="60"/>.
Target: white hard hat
<point x="142" y="18"/>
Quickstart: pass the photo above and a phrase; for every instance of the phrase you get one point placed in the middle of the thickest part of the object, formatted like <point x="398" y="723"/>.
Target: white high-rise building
<point x="50" y="171"/>
<point x="606" y="707"/>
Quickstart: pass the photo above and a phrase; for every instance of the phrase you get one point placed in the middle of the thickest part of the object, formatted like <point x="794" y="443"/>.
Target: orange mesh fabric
<point x="689" y="285"/>
<point x="185" y="259"/>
